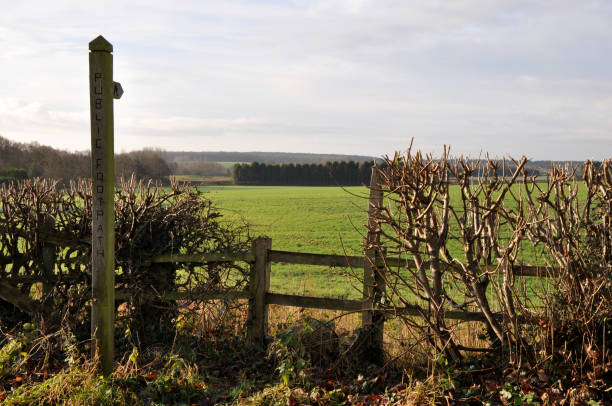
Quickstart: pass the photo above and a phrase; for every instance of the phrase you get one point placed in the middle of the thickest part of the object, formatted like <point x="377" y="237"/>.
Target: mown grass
<point x="297" y="218"/>
<point x="327" y="220"/>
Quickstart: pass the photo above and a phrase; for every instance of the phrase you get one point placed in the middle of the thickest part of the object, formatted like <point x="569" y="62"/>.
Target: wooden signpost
<point x="102" y="90"/>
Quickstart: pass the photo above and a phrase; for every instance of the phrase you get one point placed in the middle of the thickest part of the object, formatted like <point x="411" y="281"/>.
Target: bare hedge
<point x="45" y="249"/>
<point x="462" y="225"/>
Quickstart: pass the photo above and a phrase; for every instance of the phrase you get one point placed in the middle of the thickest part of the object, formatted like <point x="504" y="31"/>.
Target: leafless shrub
<point x="460" y="247"/>
<point x="414" y="225"/>
<point x="571" y="220"/>
<point x="45" y="233"/>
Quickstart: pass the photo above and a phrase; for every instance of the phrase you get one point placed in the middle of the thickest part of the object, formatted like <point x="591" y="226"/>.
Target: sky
<point x="510" y="78"/>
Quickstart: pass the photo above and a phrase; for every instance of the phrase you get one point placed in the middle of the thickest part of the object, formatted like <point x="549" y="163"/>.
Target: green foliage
<point x="310" y="343"/>
<point x="74" y="386"/>
<point x="512" y="395"/>
<point x="290" y="355"/>
<point x="71" y="378"/>
<point x="9" y="354"/>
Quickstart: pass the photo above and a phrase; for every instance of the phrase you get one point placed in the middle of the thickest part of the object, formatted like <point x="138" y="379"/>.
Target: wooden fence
<point x="260" y="258"/>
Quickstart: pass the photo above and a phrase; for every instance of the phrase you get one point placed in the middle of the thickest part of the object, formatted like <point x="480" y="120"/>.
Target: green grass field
<point x="309" y="219"/>
<point x="327" y="220"/>
<point x="303" y="219"/>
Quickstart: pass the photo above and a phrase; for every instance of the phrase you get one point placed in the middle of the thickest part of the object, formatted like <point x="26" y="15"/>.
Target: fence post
<point x="373" y="279"/>
<point x="259" y="285"/>
<point x="102" y="91"/>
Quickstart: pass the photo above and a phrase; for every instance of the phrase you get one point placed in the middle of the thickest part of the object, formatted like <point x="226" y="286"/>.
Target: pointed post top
<point x="100" y="44"/>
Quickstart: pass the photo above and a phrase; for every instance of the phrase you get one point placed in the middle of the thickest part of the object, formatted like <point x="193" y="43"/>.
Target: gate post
<point x="102" y="90"/>
<point x="373" y="280"/>
<point x="259" y="285"/>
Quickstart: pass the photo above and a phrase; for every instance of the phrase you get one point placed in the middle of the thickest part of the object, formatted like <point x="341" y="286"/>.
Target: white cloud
<point x="343" y="76"/>
<point x="201" y="126"/>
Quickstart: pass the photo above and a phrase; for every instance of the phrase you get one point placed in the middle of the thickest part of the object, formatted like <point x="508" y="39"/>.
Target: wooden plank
<point x="190" y="295"/>
<point x="81" y="277"/>
<point x="18" y="299"/>
<point x="449" y="314"/>
<point x="453" y="314"/>
<point x="51" y="238"/>
<point x="304" y="258"/>
<point x="519" y="270"/>
<point x="206" y="257"/>
<point x="314" y="302"/>
<point x="536" y="271"/>
<point x="357" y="305"/>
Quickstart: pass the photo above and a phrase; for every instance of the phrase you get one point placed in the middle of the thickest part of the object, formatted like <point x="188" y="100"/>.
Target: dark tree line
<point x="32" y="160"/>
<point x="9" y="174"/>
<point x="345" y="173"/>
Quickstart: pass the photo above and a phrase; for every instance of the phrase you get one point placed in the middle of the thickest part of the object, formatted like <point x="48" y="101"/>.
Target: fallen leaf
<point x="543" y="376"/>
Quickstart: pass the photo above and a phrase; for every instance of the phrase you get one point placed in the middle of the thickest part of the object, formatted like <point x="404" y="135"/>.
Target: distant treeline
<point x="350" y="173"/>
<point x="32" y="160"/>
<point x="265" y="157"/>
<point x="200" y="168"/>
<point x="543" y="168"/>
<point x="343" y="173"/>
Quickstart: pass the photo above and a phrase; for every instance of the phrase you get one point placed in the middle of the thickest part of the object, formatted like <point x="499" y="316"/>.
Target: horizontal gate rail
<point x="314" y="302"/>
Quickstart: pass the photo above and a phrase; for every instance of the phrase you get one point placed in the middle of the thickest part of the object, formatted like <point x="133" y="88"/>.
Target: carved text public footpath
<point x="98" y="154"/>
